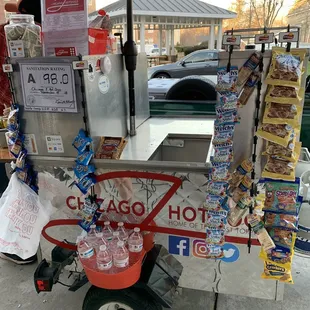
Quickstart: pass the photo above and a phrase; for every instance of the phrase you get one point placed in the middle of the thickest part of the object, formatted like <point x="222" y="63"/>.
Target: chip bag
<point x="244" y="168"/>
<point x="281" y="237"/>
<point x="284" y="221"/>
<point x="276" y="271"/>
<point x="279" y="169"/>
<point x="289" y="153"/>
<point x="285" y="94"/>
<point x="215" y="236"/>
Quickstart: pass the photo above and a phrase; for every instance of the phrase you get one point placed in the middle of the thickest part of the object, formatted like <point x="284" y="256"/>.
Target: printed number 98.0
<point x="53" y="79"/>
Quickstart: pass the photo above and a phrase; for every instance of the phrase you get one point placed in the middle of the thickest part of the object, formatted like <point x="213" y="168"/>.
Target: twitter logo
<point x="231" y="253"/>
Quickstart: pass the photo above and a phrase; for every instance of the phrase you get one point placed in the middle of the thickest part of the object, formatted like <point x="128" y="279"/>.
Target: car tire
<point x="193" y="88"/>
<point x="97" y="298"/>
<point x="162" y="75"/>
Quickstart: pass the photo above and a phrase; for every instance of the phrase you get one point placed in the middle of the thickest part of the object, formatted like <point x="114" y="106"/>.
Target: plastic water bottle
<point x="121" y="256"/>
<point x="100" y="241"/>
<point x="135" y="241"/>
<point x="91" y="235"/>
<point x="86" y="251"/>
<point x="114" y="241"/>
<point x="123" y="235"/>
<point x="104" y="258"/>
<point x="107" y="231"/>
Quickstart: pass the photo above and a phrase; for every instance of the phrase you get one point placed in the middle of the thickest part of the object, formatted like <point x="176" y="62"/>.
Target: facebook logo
<point x="179" y="245"/>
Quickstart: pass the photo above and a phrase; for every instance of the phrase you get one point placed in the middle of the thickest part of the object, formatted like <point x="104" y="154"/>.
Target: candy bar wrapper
<point x="244" y="168"/>
<point x="279" y="169"/>
<point x="82" y="171"/>
<point x="228" y="101"/>
<point x="214" y="251"/>
<point x="242" y="189"/>
<point x="277" y="113"/>
<point x="110" y="147"/>
<point x="215" y="236"/>
<point x="85" y="157"/>
<point x="215" y="203"/>
<point x="285" y="94"/>
<point x="238" y="210"/>
<point x="81" y="141"/>
<point x="284" y="221"/>
<point x="247" y="69"/>
<point x="85" y="184"/>
<point x="216" y="219"/>
<point x="223" y="153"/>
<point x="248" y="89"/>
<point x="220" y="171"/>
<point x="276" y="271"/>
<point x="223" y="134"/>
<point x="286" y="67"/>
<point x="226" y="116"/>
<point x="289" y="153"/>
<point x="282" y="197"/>
<point x="227" y="81"/>
<point x="217" y="188"/>
<point x="280" y="134"/>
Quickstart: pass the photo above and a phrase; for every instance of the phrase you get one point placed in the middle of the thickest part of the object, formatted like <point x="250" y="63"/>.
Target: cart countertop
<point x="154" y="130"/>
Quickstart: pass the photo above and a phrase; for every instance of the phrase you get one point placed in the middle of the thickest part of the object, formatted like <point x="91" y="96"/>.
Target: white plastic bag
<point x="22" y="216"/>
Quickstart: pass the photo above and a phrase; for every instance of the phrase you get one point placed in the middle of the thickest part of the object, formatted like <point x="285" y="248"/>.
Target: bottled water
<point x="107" y="231"/>
<point x="104" y="258"/>
<point x="86" y="251"/>
<point x="91" y="235"/>
<point x="100" y="241"/>
<point x="123" y="235"/>
<point x="114" y="241"/>
<point x="135" y="241"/>
<point x="121" y="256"/>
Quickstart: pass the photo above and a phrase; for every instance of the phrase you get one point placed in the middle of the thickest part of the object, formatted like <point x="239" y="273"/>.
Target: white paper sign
<point x="30" y="144"/>
<point x="231" y="40"/>
<point x="54" y="144"/>
<point x="291" y="36"/>
<point x="264" y="38"/>
<point x="48" y="87"/>
<point x="16" y="48"/>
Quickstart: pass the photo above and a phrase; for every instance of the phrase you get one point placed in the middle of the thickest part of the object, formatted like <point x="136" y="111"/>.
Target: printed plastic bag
<point x="23" y="215"/>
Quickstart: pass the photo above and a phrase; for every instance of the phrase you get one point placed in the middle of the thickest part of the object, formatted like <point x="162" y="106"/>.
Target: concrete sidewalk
<point x="17" y="292"/>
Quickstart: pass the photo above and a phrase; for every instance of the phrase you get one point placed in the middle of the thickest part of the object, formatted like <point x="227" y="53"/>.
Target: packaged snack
<point x="220" y="171"/>
<point x="277" y="113"/>
<point x="228" y="101"/>
<point x="290" y="153"/>
<point x="21" y="160"/>
<point x="282" y="197"/>
<point x="275" y="271"/>
<point x="237" y="211"/>
<point x="281" y="237"/>
<point x="12" y="124"/>
<point x="16" y="147"/>
<point x="110" y="148"/>
<point x="215" y="236"/>
<point x="247" y="69"/>
<point x="216" y="219"/>
<point x="223" y="134"/>
<point x="215" y="202"/>
<point x="223" y="153"/>
<point x="262" y="235"/>
<point x="242" y="189"/>
<point x="217" y="188"/>
<point x="227" y="81"/>
<point x="245" y="167"/>
<point x="214" y="251"/>
<point x="89" y="208"/>
<point x="286" y="221"/>
<point x="226" y="116"/>
<point x="280" y="255"/>
<point x="279" y="134"/>
<point x="285" y="94"/>
<point x="81" y="171"/>
<point x="85" y="157"/>
<point x="279" y="169"/>
<point x="81" y="141"/>
<point x="85" y="184"/>
<point x="286" y="67"/>
<point x="248" y="88"/>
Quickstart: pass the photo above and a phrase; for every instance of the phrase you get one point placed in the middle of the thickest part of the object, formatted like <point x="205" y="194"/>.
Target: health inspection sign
<point x="48" y="87"/>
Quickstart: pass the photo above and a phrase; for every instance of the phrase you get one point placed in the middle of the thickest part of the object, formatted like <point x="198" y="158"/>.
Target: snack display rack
<point x="166" y="163"/>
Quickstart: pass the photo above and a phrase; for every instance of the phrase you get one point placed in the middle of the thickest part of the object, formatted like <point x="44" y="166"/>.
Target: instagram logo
<point x="200" y="249"/>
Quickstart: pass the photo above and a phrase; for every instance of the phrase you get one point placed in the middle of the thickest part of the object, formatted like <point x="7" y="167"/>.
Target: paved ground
<point x="17" y="292"/>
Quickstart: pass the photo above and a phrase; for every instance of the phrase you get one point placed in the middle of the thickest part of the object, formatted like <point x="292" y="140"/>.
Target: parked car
<point x="202" y="62"/>
<point x="155" y="52"/>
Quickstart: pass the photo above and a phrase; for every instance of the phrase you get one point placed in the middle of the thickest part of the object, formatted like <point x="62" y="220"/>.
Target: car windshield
<point x="200" y="57"/>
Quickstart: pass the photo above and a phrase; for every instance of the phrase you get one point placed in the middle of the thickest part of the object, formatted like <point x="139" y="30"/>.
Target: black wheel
<point x="192" y="88"/>
<point x="162" y="75"/>
<point x="127" y="299"/>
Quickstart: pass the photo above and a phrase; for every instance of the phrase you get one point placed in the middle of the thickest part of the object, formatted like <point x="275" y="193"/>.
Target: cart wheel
<point x="128" y="299"/>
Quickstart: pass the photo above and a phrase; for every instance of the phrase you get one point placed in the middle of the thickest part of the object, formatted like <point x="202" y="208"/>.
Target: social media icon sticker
<point x="231" y="253"/>
<point x="179" y="245"/>
<point x="199" y="248"/>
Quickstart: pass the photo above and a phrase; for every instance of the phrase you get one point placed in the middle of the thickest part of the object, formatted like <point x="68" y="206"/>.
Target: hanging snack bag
<point x="290" y="153"/>
<point x="247" y="69"/>
<point x="81" y="141"/>
<point x="275" y="271"/>
<point x="280" y="133"/>
<point x="223" y="153"/>
<point x="281" y="197"/>
<point x="110" y="147"/>
<point x="227" y="81"/>
<point x="82" y="171"/>
<point x="223" y="134"/>
<point x="284" y="221"/>
<point x="214" y="251"/>
<point x="215" y="236"/>
<point x="220" y="171"/>
<point x="217" y="188"/>
<point x="244" y="168"/>
<point x="281" y="237"/>
<point x="228" y="101"/>
<point x="215" y="202"/>
<point x="285" y="94"/>
<point x="237" y="211"/>
<point x="85" y="184"/>
<point x="85" y="157"/>
<point x="242" y="189"/>
<point x="286" y="67"/>
<point x="226" y="116"/>
<point x="216" y="219"/>
<point x="248" y="88"/>
<point x="277" y="113"/>
<point x="279" y="169"/>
